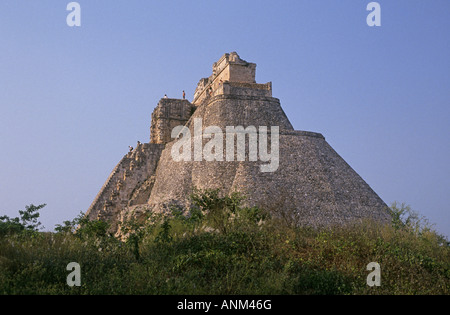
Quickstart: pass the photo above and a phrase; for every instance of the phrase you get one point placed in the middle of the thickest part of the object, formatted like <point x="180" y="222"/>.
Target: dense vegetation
<point x="221" y="247"/>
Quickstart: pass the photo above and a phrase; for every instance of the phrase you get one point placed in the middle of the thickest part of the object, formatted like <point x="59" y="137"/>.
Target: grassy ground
<point x="231" y="252"/>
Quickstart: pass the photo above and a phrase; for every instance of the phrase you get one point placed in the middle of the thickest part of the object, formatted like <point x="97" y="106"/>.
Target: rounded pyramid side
<point x="312" y="186"/>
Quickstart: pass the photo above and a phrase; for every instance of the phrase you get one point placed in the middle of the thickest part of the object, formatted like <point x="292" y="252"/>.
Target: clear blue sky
<point x="73" y="99"/>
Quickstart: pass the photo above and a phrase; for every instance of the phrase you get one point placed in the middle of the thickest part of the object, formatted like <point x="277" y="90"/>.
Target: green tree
<point x="28" y="221"/>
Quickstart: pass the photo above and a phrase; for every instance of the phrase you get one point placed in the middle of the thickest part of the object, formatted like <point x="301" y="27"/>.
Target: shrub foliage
<point x="219" y="246"/>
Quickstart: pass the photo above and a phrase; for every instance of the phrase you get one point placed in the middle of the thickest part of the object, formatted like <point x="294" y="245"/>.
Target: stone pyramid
<point x="309" y="183"/>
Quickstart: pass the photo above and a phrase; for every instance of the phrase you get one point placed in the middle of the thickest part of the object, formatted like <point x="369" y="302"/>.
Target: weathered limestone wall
<point x="248" y="89"/>
<point x="242" y="73"/>
<point x="241" y="110"/>
<point x="174" y="181"/>
<point x="168" y="114"/>
<point x="313" y="184"/>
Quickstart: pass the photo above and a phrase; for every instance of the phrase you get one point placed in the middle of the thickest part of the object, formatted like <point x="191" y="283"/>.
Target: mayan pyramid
<point x="311" y="182"/>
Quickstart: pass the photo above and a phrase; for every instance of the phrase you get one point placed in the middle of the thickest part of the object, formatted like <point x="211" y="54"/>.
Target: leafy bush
<point x="223" y="213"/>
